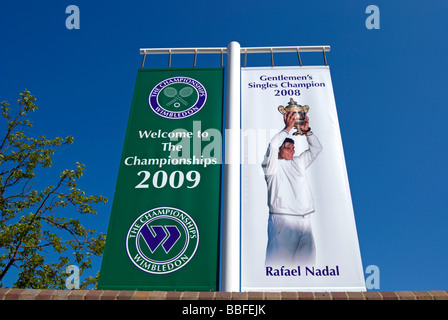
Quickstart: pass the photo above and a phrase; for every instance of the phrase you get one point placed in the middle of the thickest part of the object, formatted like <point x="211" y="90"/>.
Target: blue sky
<point x="389" y="87"/>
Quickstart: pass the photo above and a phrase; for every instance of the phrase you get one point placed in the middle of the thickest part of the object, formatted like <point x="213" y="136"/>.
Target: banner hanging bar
<point x="286" y="49"/>
<point x="245" y="51"/>
<point x="242" y="50"/>
<point x="182" y="50"/>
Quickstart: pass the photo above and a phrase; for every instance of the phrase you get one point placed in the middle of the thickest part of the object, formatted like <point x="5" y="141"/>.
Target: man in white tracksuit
<point x="290" y="238"/>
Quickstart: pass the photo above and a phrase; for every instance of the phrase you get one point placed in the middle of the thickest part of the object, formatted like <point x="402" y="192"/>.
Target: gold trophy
<point x="299" y="112"/>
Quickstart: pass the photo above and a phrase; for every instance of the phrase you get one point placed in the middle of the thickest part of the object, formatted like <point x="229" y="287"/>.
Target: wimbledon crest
<point x="177" y="97"/>
<point x="162" y="240"/>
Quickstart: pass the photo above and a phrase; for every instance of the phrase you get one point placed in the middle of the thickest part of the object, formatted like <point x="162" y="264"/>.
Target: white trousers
<point x="290" y="241"/>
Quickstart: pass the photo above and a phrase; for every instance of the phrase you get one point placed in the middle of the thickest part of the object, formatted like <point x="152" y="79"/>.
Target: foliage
<point x="33" y="237"/>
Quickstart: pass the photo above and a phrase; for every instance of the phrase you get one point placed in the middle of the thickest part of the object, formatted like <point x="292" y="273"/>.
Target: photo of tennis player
<point x="290" y="202"/>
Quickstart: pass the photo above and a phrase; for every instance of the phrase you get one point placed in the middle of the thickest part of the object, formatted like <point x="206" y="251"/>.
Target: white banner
<point x="298" y="230"/>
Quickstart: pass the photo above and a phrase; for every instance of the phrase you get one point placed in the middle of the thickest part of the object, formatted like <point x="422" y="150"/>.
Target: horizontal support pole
<point x="285" y="49"/>
<point x="242" y="50"/>
<point x="182" y="50"/>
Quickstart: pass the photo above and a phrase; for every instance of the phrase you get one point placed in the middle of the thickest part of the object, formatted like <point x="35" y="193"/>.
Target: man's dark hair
<point x="287" y="140"/>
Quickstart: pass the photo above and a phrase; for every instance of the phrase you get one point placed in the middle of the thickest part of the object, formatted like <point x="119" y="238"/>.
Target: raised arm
<point x="271" y="156"/>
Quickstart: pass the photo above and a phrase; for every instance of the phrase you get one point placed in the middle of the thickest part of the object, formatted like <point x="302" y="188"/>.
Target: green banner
<point x="164" y="227"/>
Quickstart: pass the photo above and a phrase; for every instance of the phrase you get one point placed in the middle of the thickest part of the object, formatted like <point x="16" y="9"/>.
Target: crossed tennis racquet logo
<point x="178" y="96"/>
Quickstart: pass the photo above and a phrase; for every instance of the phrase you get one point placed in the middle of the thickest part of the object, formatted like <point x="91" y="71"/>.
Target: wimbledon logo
<point x="162" y="240"/>
<point x="177" y="97"/>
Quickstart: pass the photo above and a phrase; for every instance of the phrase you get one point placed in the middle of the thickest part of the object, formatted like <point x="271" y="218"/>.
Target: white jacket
<point x="288" y="189"/>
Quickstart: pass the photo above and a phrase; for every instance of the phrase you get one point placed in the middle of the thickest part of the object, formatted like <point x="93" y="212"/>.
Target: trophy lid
<point x="292" y="102"/>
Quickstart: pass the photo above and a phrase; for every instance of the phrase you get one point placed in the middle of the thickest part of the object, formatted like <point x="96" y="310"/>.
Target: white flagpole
<point x="230" y="272"/>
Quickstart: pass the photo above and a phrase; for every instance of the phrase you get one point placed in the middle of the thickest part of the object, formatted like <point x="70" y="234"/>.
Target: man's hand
<point x="306" y="124"/>
<point x="289" y="118"/>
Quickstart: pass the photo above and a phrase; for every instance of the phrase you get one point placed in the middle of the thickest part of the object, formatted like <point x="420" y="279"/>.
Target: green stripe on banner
<point x="164" y="227"/>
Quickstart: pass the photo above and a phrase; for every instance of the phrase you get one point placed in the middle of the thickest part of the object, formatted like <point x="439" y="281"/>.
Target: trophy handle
<point x="281" y="109"/>
<point x="307" y="108"/>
